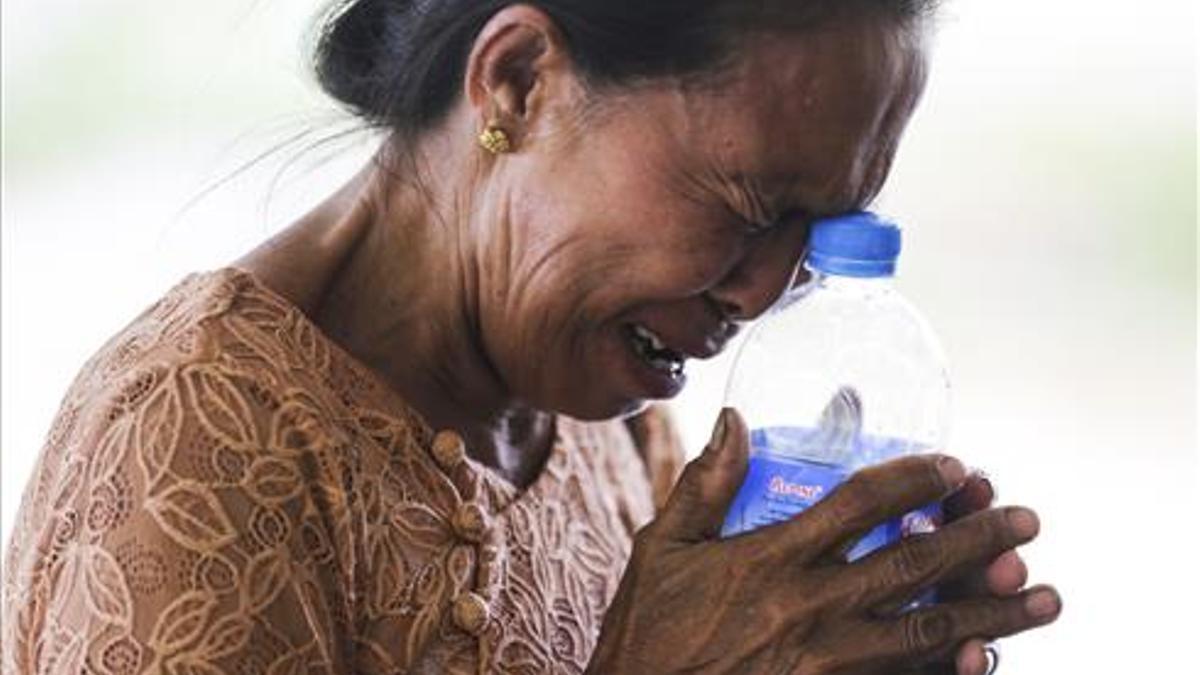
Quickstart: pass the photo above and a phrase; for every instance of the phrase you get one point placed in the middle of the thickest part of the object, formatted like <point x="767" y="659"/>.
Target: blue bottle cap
<point x="858" y="244"/>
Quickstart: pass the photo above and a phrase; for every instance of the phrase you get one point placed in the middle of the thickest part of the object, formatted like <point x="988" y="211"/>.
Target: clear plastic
<point x="843" y="373"/>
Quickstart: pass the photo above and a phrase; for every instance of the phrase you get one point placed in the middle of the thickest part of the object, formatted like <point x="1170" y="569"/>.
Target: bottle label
<point x="777" y="487"/>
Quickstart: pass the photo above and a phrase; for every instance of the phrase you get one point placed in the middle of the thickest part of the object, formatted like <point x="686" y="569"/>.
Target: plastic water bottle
<point x="843" y="373"/>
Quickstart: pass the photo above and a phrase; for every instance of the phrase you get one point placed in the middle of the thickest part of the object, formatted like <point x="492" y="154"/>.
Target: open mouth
<point x="651" y="349"/>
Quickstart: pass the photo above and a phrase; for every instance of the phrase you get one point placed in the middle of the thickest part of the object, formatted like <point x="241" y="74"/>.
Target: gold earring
<point x="495" y="140"/>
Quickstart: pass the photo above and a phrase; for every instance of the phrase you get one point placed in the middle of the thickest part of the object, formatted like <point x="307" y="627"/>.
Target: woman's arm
<point x="175" y="539"/>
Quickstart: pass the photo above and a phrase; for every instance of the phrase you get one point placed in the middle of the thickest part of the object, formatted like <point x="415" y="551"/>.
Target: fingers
<point x="976" y="494"/>
<point x="898" y="572"/>
<point x="868" y="498"/>
<point x="697" y="506"/>
<point x="926" y="634"/>
<point x="1006" y="575"/>
<point x="972" y="658"/>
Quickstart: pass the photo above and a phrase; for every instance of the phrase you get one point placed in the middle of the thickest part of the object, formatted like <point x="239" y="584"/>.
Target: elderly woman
<point x="410" y="434"/>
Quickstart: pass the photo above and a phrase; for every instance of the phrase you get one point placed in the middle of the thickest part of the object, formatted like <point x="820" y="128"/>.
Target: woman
<point x="576" y="197"/>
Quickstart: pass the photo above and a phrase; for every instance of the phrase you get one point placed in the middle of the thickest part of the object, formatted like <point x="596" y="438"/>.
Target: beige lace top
<point x="225" y="491"/>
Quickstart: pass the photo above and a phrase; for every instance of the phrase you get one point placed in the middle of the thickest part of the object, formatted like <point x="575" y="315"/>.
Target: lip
<point x="694" y="344"/>
<point x="716" y="342"/>
<point x="684" y="338"/>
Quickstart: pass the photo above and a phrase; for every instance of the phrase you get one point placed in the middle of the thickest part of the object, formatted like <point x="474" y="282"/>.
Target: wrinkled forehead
<point x="814" y="118"/>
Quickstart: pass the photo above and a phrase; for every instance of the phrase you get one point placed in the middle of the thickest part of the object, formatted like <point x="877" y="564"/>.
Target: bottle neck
<point x="827" y="284"/>
<point x="837" y="281"/>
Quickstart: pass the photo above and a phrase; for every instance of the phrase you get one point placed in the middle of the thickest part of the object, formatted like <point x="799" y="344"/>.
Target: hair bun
<point x="356" y="51"/>
<point x="399" y="64"/>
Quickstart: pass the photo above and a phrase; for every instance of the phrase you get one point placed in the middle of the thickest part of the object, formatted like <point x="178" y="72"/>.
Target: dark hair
<point x="399" y="63"/>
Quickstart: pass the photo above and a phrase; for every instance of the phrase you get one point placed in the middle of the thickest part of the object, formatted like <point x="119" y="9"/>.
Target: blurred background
<point x="1048" y="186"/>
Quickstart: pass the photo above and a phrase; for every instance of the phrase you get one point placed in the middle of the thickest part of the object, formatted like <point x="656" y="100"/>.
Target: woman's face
<point x="641" y="238"/>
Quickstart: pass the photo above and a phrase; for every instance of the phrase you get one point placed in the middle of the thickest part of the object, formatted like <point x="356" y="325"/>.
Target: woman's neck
<point x="395" y="284"/>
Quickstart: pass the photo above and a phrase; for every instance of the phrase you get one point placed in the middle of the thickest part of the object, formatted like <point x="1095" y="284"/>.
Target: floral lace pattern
<point x="225" y="491"/>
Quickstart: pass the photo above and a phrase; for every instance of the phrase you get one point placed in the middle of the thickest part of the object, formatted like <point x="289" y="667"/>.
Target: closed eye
<point x="754" y="229"/>
<point x="794" y="216"/>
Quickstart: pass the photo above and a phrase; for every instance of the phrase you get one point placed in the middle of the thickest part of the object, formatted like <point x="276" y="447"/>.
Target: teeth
<point x="655" y="352"/>
<point x="650" y="337"/>
<point x="675" y="368"/>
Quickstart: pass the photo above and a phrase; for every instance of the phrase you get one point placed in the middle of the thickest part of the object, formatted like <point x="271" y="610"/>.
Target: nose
<point x="766" y="270"/>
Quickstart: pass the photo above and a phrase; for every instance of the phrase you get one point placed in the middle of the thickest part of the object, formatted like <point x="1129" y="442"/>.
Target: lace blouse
<point x="225" y="491"/>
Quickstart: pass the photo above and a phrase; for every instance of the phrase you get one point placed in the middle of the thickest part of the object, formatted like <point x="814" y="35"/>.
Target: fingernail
<point x="1042" y="605"/>
<point x="986" y="480"/>
<point x="718" y="434"/>
<point x="1011" y="558"/>
<point x="953" y="472"/>
<point x="1024" y="523"/>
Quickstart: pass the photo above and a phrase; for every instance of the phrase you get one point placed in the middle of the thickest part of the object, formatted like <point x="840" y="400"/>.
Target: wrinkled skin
<point x="506" y="287"/>
<point x="494" y="292"/>
<point x="782" y="600"/>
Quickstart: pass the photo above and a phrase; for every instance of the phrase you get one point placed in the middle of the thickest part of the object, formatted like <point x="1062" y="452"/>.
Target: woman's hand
<point x="778" y="600"/>
<point x="1004" y="576"/>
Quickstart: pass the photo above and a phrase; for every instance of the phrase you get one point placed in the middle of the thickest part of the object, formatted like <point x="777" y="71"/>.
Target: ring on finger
<point x="992" y="651"/>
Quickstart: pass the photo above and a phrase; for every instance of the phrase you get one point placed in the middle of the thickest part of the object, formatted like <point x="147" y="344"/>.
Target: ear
<point x="519" y="70"/>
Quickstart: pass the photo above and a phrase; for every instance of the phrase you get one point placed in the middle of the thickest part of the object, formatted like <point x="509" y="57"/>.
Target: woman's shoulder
<point x="220" y="376"/>
<point x="206" y="403"/>
<point x="217" y="453"/>
<point x="200" y="353"/>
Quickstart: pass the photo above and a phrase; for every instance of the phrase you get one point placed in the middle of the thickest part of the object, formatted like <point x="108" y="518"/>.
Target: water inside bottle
<point x="793" y="467"/>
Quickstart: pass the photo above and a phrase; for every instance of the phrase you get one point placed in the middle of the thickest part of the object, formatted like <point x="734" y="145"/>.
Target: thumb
<point x="697" y="506"/>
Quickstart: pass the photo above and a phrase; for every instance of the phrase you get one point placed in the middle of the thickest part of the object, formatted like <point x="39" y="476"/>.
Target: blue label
<point x="777" y="487"/>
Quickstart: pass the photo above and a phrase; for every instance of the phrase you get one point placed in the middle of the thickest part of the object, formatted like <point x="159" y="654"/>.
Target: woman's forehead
<point x="810" y="118"/>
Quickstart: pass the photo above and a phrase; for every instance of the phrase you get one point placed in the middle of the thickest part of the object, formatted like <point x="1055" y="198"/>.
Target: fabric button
<point x="471" y="613"/>
<point x="448" y="449"/>
<point x="470" y="521"/>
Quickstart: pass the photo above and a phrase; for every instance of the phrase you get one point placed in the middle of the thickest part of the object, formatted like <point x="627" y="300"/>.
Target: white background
<point x="1048" y="186"/>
